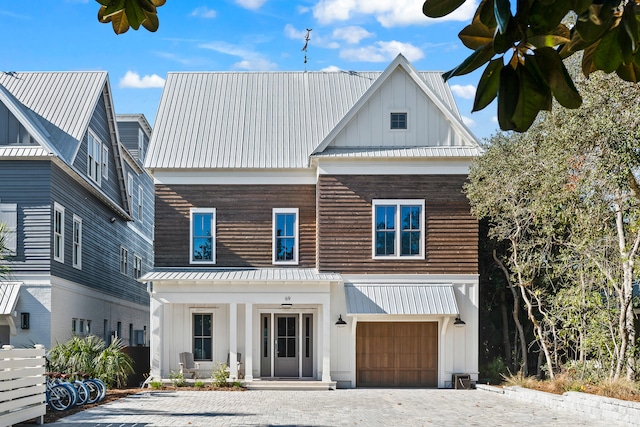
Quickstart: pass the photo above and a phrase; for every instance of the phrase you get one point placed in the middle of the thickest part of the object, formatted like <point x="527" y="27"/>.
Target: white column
<point x="233" y="341"/>
<point x="155" y="338"/>
<point x="248" y="346"/>
<point x="325" y="323"/>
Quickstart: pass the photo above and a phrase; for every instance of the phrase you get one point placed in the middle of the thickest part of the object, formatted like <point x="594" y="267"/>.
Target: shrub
<point x="199" y="384"/>
<point x="177" y="378"/>
<point x="156" y="385"/>
<point x="219" y="375"/>
<point x="494" y="371"/>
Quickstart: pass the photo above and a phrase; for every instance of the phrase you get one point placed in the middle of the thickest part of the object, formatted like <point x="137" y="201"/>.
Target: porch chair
<point x="187" y="365"/>
<point x="239" y="358"/>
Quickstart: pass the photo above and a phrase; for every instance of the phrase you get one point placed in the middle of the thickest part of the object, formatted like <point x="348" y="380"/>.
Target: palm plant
<point x="4" y="268"/>
<point x="113" y="365"/>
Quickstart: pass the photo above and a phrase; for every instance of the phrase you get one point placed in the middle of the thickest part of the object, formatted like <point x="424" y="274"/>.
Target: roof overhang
<point x="9" y="292"/>
<point x="240" y="275"/>
<point x="401" y="299"/>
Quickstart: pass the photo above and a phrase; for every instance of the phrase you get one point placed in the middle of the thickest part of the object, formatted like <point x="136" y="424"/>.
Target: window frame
<point x="105" y="162"/>
<point x="140" y="203"/>
<point x="94" y="149"/>
<point x="124" y="261"/>
<point x="76" y="253"/>
<point x="9" y="217"/>
<point x="398" y="113"/>
<point x="130" y="190"/>
<point x="140" y="144"/>
<point x="296" y="236"/>
<point x="202" y="312"/>
<point x="137" y="266"/>
<point x="58" y="238"/>
<point x="398" y="204"/>
<point x="211" y="211"/>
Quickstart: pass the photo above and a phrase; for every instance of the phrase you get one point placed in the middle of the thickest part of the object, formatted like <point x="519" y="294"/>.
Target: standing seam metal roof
<point x="401" y="299"/>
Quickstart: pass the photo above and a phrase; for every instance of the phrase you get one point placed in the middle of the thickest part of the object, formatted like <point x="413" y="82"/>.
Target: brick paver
<point x="357" y="407"/>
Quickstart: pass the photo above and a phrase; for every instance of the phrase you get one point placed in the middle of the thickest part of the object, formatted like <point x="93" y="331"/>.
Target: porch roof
<point x="401" y="299"/>
<point x="9" y="292"/>
<point x="240" y="275"/>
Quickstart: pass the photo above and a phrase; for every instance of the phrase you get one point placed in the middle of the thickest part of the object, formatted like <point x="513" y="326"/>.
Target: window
<point x="124" y="260"/>
<point x="398" y="228"/>
<point x="137" y="266"/>
<point x="130" y="334"/>
<point x="203" y="230"/>
<point x="130" y="190"/>
<point x="77" y="242"/>
<point x="81" y="329"/>
<point x="105" y="162"/>
<point x="88" y="327"/>
<point x="202" y="339"/>
<point x="140" y="144"/>
<point x="94" y="154"/>
<point x="74" y="326"/>
<point x="58" y="232"/>
<point x="285" y="236"/>
<point x="9" y="217"/>
<point x="398" y="120"/>
<point x="140" y="199"/>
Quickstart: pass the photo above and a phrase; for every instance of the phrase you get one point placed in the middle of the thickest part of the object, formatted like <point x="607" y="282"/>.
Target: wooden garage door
<point x="398" y="354"/>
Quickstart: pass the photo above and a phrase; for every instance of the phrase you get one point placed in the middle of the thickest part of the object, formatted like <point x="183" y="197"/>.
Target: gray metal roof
<point x="387" y="152"/>
<point x="401" y="299"/>
<point x="240" y="275"/>
<point x="257" y="119"/>
<point x="33" y="151"/>
<point x="9" y="292"/>
<point x="61" y="103"/>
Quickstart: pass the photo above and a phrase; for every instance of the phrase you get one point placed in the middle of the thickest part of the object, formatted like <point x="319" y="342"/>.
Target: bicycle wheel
<point x="95" y="391"/>
<point x="103" y="388"/>
<point x="83" y="392"/>
<point x="59" y="398"/>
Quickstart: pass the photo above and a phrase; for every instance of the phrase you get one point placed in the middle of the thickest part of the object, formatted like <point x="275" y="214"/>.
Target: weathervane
<point x="307" y="37"/>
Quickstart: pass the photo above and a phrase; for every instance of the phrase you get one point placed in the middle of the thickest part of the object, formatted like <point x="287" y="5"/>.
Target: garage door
<point x="397" y="354"/>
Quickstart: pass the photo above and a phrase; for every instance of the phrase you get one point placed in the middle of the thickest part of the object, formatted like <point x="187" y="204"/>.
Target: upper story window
<point x="94" y="157"/>
<point x="140" y="200"/>
<point x="285" y="236"/>
<point x="130" y="189"/>
<point x="124" y="260"/>
<point x="58" y="232"/>
<point x="203" y="231"/>
<point x="77" y="242"/>
<point x="105" y="162"/>
<point x="9" y="217"/>
<point x="137" y="266"/>
<point x="398" y="228"/>
<point x="398" y="120"/>
<point x="140" y="145"/>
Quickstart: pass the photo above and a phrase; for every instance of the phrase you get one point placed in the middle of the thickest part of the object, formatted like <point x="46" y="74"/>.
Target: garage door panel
<point x="403" y="354"/>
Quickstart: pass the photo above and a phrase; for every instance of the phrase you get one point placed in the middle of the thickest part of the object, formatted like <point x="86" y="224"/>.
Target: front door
<point x="286" y="346"/>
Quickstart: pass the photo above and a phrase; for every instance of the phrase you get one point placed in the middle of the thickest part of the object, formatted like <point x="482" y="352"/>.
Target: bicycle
<point x="59" y="396"/>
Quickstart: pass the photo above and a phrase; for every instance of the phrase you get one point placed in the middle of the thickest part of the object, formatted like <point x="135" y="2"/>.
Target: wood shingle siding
<point x="345" y="224"/>
<point x="244" y="224"/>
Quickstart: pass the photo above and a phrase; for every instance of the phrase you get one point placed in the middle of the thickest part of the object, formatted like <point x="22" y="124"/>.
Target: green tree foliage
<point x="523" y="52"/>
<point x="124" y="14"/>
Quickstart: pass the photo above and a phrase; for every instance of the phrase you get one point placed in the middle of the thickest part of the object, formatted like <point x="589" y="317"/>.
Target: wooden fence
<point x="22" y="384"/>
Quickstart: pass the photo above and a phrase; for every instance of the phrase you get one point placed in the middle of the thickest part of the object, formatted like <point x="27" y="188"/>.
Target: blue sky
<point x="237" y="35"/>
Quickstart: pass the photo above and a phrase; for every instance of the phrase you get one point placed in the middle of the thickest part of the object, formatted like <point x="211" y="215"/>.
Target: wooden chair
<point x="239" y="364"/>
<point x="187" y="365"/>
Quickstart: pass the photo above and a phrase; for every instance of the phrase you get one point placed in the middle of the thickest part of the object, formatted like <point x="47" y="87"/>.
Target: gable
<point x="12" y="132"/>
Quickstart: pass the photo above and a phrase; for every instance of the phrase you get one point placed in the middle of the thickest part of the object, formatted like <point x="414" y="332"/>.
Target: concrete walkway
<point x="357" y="407"/>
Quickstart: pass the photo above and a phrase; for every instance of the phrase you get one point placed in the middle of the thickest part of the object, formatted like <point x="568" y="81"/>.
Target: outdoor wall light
<point x="24" y="320"/>
<point x="458" y="323"/>
<point x="286" y="305"/>
<point x="341" y="323"/>
<point x="112" y="219"/>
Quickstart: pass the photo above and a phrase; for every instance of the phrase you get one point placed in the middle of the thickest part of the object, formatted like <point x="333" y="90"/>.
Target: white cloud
<point x="352" y="34"/>
<point x="466" y="92"/>
<point x="204" y="12"/>
<point x="494" y="119"/>
<point x="468" y="121"/>
<point x="291" y="32"/>
<point x="331" y="69"/>
<point x="382" y="52"/>
<point x="132" y="79"/>
<point x="251" y="4"/>
<point x="250" y="60"/>
<point x="388" y="13"/>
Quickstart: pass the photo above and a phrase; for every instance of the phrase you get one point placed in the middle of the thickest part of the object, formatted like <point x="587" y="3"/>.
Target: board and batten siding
<point x="345" y="224"/>
<point x="244" y="222"/>
<point x="27" y="184"/>
<point x="101" y="242"/>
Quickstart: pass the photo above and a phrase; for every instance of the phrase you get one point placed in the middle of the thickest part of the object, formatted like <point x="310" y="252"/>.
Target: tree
<point x="4" y="268"/>
<point x="124" y="14"/>
<point x="537" y="40"/>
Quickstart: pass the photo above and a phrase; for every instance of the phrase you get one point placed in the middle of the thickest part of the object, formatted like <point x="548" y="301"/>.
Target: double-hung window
<point x="140" y="200"/>
<point x="285" y="236"/>
<point x="203" y="231"/>
<point x="105" y="162"/>
<point x="58" y="232"/>
<point x="137" y="266"/>
<point x="140" y="145"/>
<point x="9" y="217"/>
<point x="124" y="260"/>
<point x="398" y="228"/>
<point x="94" y="157"/>
<point x="77" y="242"/>
<point x="202" y="336"/>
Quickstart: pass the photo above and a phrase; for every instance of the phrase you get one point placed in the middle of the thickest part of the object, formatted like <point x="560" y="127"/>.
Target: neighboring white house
<point x="315" y="224"/>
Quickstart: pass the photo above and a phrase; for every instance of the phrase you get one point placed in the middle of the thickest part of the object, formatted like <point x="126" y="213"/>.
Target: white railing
<point x="22" y="384"/>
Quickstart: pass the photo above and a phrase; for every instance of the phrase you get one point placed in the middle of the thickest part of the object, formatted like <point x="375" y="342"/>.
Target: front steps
<point x="298" y="385"/>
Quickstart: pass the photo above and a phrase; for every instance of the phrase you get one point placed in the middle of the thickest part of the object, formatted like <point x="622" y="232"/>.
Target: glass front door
<point x="286" y="346"/>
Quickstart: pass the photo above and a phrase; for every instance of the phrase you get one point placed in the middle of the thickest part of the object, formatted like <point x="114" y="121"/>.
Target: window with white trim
<point x="398" y="228"/>
<point x="124" y="260"/>
<point x="140" y="201"/>
<point x="285" y="235"/>
<point x="58" y="232"/>
<point x="94" y="157"/>
<point x="130" y="189"/>
<point x="140" y="144"/>
<point x="202" y="232"/>
<point x="105" y="162"/>
<point x="202" y="336"/>
<point x="9" y="217"/>
<point x="137" y="266"/>
<point x="77" y="242"/>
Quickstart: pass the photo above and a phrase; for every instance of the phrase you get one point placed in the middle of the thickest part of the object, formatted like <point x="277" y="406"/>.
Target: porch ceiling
<point x="401" y="299"/>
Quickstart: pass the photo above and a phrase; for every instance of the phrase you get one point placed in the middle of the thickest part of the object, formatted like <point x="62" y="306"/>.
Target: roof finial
<point x="307" y="37"/>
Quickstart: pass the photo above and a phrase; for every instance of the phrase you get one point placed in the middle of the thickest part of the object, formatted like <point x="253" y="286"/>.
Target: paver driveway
<point x="357" y="407"/>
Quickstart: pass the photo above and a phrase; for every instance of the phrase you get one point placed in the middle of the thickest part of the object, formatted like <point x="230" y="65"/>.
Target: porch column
<point x="233" y="341"/>
<point x="326" y="342"/>
<point x="248" y="346"/>
<point x="155" y="338"/>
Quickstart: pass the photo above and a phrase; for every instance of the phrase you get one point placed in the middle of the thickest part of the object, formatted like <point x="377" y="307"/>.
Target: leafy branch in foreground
<point x="130" y="13"/>
<point x="537" y="40"/>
